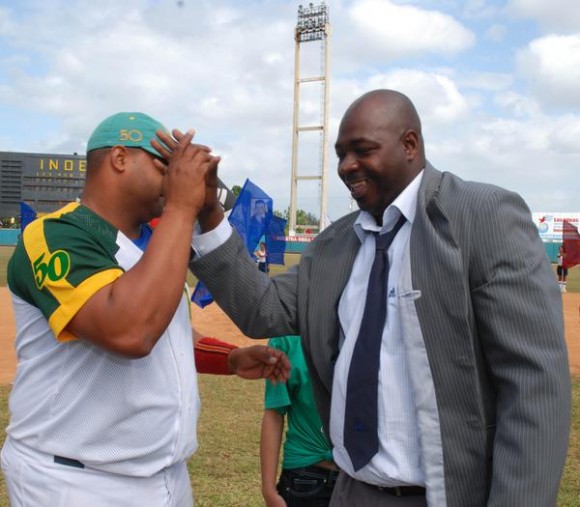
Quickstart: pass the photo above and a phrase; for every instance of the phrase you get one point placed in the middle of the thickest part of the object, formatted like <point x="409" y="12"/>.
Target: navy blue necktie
<point x="361" y="438"/>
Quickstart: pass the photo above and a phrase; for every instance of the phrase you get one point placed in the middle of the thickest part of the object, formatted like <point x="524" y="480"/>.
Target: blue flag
<point x="276" y="240"/>
<point x="27" y="215"/>
<point x="252" y="217"/>
<point x="201" y="295"/>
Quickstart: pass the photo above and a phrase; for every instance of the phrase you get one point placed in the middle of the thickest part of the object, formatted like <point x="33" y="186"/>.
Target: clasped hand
<point x="260" y="361"/>
<point x="191" y="171"/>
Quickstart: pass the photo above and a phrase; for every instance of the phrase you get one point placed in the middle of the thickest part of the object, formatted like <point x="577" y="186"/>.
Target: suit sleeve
<point x="518" y="312"/>
<point x="259" y="305"/>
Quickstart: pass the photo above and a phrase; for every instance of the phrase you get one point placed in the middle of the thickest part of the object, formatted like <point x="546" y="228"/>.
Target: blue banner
<point x="201" y="295"/>
<point x="252" y="217"/>
<point x="27" y="215"/>
<point x="276" y="240"/>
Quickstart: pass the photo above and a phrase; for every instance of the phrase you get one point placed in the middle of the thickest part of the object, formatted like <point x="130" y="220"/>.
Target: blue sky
<point x="497" y="83"/>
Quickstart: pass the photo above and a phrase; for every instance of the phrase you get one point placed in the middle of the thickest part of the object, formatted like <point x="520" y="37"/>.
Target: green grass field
<point x="225" y="471"/>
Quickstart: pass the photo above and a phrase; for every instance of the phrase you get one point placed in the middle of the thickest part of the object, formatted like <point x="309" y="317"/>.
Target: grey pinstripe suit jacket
<point x="491" y="318"/>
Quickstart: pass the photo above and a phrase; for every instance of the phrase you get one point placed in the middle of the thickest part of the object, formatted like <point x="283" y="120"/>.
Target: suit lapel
<point x="437" y="264"/>
<point x="438" y="271"/>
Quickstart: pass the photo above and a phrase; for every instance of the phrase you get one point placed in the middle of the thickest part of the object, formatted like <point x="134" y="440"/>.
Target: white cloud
<point x="551" y="64"/>
<point x="536" y="157"/>
<point x="508" y="137"/>
<point x="565" y="134"/>
<point x="517" y="105"/>
<point x="385" y="29"/>
<point x="6" y="25"/>
<point x="479" y="9"/>
<point x="496" y="33"/>
<point x="490" y="81"/>
<point x="552" y="14"/>
<point x="226" y="68"/>
<point x="136" y="61"/>
<point x="435" y="96"/>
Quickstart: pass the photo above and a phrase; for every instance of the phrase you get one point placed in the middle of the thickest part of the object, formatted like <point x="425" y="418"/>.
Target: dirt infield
<point x="211" y="321"/>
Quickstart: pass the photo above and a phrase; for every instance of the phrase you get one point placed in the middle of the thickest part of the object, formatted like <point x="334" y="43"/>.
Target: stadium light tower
<point x="312" y="26"/>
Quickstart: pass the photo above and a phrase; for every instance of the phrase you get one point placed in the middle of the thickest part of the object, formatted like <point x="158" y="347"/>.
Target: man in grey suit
<point x="473" y="386"/>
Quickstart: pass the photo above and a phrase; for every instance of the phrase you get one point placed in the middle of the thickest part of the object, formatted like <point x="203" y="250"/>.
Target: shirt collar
<point x="405" y="204"/>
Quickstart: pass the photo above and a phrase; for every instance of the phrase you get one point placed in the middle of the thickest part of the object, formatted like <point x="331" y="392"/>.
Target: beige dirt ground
<point x="211" y="321"/>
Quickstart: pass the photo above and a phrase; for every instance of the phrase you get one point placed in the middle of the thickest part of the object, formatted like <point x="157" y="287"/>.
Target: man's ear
<point x="411" y="143"/>
<point x="119" y="156"/>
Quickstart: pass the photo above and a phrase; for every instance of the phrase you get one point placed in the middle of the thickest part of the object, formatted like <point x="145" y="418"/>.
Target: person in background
<point x="562" y="270"/>
<point x="438" y="361"/>
<point x="262" y="257"/>
<point x="257" y="227"/>
<point x="308" y="470"/>
<point x="104" y="406"/>
<point x="259" y="215"/>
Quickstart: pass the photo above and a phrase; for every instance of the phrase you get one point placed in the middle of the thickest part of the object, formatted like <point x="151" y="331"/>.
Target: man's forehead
<point x="356" y="130"/>
<point x="367" y="120"/>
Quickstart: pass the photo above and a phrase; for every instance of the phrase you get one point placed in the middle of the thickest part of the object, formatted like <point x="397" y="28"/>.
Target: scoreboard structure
<point x="44" y="181"/>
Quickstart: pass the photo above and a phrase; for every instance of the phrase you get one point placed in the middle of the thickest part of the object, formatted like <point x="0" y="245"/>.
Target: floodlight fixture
<point x="312" y="22"/>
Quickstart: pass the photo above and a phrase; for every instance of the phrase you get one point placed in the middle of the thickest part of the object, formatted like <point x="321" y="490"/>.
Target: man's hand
<point x="210" y="210"/>
<point x="189" y="166"/>
<point x="259" y="361"/>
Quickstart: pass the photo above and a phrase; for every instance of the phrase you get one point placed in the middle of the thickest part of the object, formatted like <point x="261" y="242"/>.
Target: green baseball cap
<point x="133" y="130"/>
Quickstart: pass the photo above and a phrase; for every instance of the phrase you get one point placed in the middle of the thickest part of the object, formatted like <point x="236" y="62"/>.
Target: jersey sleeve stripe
<point x="72" y="300"/>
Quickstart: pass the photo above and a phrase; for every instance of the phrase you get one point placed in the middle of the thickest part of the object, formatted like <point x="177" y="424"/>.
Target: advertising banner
<point x="550" y="225"/>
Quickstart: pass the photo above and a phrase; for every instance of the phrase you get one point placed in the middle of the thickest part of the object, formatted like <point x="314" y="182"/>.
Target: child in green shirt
<point x="308" y="470"/>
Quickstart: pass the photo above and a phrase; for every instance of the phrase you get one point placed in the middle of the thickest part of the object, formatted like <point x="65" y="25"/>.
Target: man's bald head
<point x="394" y="107"/>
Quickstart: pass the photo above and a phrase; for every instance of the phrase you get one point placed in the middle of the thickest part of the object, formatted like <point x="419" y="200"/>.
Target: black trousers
<point x="307" y="486"/>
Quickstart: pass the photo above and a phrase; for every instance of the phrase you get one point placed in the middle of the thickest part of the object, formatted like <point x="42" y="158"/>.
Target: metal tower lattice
<point x="312" y="26"/>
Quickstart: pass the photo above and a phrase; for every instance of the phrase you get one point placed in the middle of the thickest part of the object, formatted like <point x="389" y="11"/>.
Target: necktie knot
<point x="383" y="241"/>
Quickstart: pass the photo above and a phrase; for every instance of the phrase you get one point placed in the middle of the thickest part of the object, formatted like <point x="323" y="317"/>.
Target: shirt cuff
<point x="205" y="243"/>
